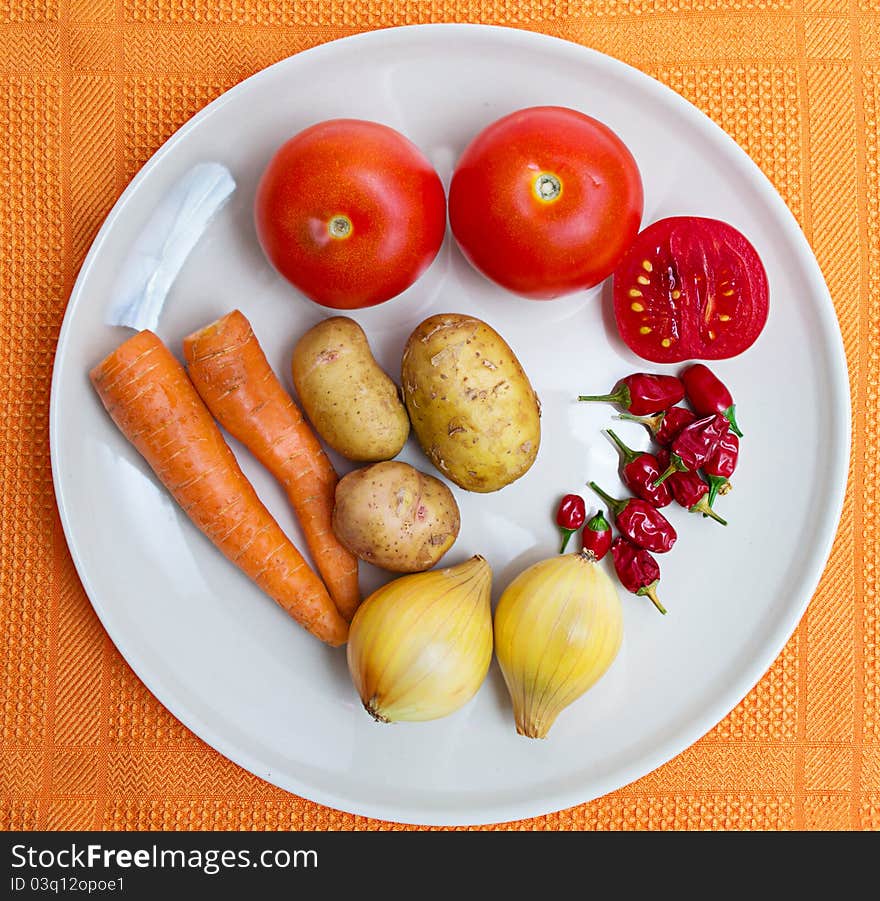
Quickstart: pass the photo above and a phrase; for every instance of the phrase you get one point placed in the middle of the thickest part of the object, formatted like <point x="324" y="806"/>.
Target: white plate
<point x="235" y="669"/>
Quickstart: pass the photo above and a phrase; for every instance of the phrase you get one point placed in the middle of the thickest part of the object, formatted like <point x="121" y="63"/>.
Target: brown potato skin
<point x="395" y="517"/>
<point x="470" y="403"/>
<point x="352" y="403"/>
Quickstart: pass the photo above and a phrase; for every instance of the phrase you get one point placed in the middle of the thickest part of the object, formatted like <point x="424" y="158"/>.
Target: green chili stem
<point x="621" y="396"/>
<point x="652" y="421"/>
<point x="675" y="465"/>
<point x="716" y="483"/>
<point x="615" y="398"/>
<point x="598" y="523"/>
<point x="651" y="592"/>
<point x="629" y="455"/>
<point x="613" y="502"/>
<point x="703" y="507"/>
<point x="566" y="537"/>
<point x="730" y="415"/>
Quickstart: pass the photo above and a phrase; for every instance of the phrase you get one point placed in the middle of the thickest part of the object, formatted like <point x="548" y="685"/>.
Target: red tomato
<point x="690" y="289"/>
<point x="546" y="201"/>
<point x="350" y="212"/>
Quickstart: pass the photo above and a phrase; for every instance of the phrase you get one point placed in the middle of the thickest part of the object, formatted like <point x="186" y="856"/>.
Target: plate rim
<point x="723" y="703"/>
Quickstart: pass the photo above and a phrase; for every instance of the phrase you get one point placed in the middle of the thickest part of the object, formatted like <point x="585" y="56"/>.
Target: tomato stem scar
<point x="547" y="187"/>
<point x="339" y="226"/>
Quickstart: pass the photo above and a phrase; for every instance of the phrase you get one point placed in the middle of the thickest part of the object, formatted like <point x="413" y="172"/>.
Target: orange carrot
<point x="233" y="376"/>
<point x="149" y="397"/>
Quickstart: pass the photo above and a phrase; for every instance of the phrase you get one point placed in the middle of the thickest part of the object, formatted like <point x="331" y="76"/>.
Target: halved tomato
<point x="690" y="288"/>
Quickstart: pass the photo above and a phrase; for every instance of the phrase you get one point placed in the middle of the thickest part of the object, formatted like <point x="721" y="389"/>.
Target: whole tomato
<point x="350" y="212"/>
<point x="546" y="201"/>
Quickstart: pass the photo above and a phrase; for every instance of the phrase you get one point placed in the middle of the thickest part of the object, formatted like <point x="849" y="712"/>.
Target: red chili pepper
<point x="641" y="523"/>
<point x="721" y="465"/>
<point x="664" y="426"/>
<point x="708" y="394"/>
<point x="642" y="393"/>
<point x="690" y="491"/>
<point x="597" y="537"/>
<point x="570" y="517"/>
<point x="637" y="570"/>
<point x="695" y="444"/>
<point x="639" y="471"/>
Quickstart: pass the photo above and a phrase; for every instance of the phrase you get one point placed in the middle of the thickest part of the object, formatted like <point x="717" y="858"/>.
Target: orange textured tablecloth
<point x="90" y="88"/>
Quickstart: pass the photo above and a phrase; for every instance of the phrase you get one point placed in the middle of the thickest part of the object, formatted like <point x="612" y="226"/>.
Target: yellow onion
<point x="420" y="646"/>
<point x="558" y="627"/>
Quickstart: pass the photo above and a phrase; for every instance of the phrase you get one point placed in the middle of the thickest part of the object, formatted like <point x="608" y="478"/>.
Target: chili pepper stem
<point x="615" y="504"/>
<point x="716" y="484"/>
<point x="566" y="537"/>
<point x="628" y="417"/>
<point x="675" y="465"/>
<point x="598" y="523"/>
<point x="730" y="416"/>
<point x="702" y="506"/>
<point x="621" y="397"/>
<point x="650" y="591"/>
<point x="628" y="454"/>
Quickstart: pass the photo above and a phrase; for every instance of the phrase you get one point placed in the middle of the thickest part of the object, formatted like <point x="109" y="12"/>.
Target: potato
<point x="470" y="402"/>
<point x="352" y="403"/>
<point x="395" y="517"/>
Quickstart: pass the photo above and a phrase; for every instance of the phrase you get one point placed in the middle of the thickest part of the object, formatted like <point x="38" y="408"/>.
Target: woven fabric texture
<point x="90" y="88"/>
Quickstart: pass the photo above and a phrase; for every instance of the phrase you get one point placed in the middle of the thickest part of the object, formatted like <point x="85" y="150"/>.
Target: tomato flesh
<point x="690" y="288"/>
<point x="545" y="201"/>
<point x="350" y="212"/>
